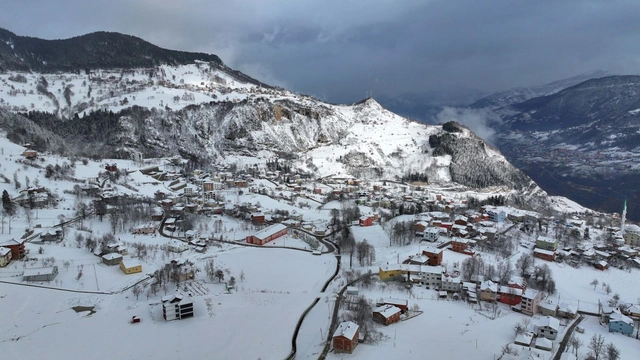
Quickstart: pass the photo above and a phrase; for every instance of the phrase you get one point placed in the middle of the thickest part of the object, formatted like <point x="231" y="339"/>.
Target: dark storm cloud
<point x="337" y="50"/>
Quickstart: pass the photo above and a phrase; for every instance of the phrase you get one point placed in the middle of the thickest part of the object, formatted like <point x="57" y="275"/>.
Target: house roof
<point x="396" y="301"/>
<point x="4" y="251"/>
<point x="530" y="293"/>
<point x="11" y="242"/>
<point x="431" y="269"/>
<point x="567" y="308"/>
<point x="347" y="329"/>
<point x="547" y="239"/>
<point x="510" y="291"/>
<point x="618" y="317"/>
<point x="548" y="305"/>
<point x="544" y="343"/>
<point x="387" y="310"/>
<point x="266" y="232"/>
<point x="432" y="250"/>
<point x="489" y="285"/>
<point x="550" y="322"/>
<point x="111" y="256"/>
<point x="130" y="263"/>
<point x="432" y="230"/>
<point x="524" y="338"/>
<point x="40" y="271"/>
<point x="390" y="267"/>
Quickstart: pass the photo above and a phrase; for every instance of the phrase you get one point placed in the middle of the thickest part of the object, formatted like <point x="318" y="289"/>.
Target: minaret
<point x="624" y="218"/>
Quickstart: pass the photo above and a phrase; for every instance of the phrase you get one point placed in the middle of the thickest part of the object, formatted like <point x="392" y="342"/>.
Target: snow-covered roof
<point x="4" y="251"/>
<point x="111" y="256"/>
<point x="489" y="285"/>
<point x="266" y="232"/>
<point x="543" y="251"/>
<point x="548" y="305"/>
<point x="616" y="316"/>
<point x="390" y="267"/>
<point x="347" y="329"/>
<point x="549" y="322"/>
<point x="432" y="230"/>
<point x="433" y="250"/>
<point x="603" y="263"/>
<point x="510" y="290"/>
<point x="10" y="242"/>
<point x="544" y="343"/>
<point x="387" y="310"/>
<point x="530" y="293"/>
<point x="568" y="308"/>
<point x="40" y="271"/>
<point x="524" y="338"/>
<point x="393" y="301"/>
<point x="431" y="269"/>
<point x="547" y="239"/>
<point x="632" y="228"/>
<point x="130" y="263"/>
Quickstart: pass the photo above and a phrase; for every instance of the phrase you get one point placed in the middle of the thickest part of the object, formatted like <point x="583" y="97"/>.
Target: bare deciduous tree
<point x="596" y="345"/>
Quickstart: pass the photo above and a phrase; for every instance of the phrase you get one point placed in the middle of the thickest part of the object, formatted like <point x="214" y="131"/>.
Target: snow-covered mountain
<point x="520" y="94"/>
<point x="208" y="112"/>
<point x="582" y="142"/>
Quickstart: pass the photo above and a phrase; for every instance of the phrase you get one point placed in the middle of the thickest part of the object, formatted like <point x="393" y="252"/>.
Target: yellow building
<point x="390" y="272"/>
<point x="130" y="266"/>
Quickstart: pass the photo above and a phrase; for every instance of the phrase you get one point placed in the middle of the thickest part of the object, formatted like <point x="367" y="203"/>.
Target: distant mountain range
<point x="582" y="142"/>
<point x="110" y="95"/>
<point x="520" y="94"/>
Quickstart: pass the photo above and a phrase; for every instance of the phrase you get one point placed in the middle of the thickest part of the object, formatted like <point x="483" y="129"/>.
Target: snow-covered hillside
<point x="203" y="111"/>
<point x="68" y="94"/>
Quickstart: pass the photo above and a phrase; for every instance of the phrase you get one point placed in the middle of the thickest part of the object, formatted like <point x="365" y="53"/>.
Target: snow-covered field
<point x="279" y="284"/>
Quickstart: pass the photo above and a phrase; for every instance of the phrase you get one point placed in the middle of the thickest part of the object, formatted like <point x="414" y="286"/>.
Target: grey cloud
<point x="339" y="49"/>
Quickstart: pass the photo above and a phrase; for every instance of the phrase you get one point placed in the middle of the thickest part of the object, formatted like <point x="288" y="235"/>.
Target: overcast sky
<point x="338" y="49"/>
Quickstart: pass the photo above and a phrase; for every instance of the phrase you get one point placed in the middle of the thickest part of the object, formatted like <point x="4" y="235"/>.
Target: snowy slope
<point x="117" y="89"/>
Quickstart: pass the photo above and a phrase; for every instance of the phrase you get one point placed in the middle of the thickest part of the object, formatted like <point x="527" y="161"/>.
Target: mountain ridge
<point x="208" y="115"/>
<point x="582" y="142"/>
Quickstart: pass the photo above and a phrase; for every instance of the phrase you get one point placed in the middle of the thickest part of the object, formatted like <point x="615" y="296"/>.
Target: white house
<point x="177" y="246"/>
<point x="177" y="307"/>
<point x="431" y="234"/>
<point x="548" y="327"/>
<point x="431" y="276"/>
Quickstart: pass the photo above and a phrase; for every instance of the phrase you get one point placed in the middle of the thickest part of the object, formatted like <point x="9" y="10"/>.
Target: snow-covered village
<point x="348" y="268"/>
<point x="161" y="204"/>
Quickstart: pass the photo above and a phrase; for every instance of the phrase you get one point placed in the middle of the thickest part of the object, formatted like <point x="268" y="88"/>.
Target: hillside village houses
<point x="445" y="223"/>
